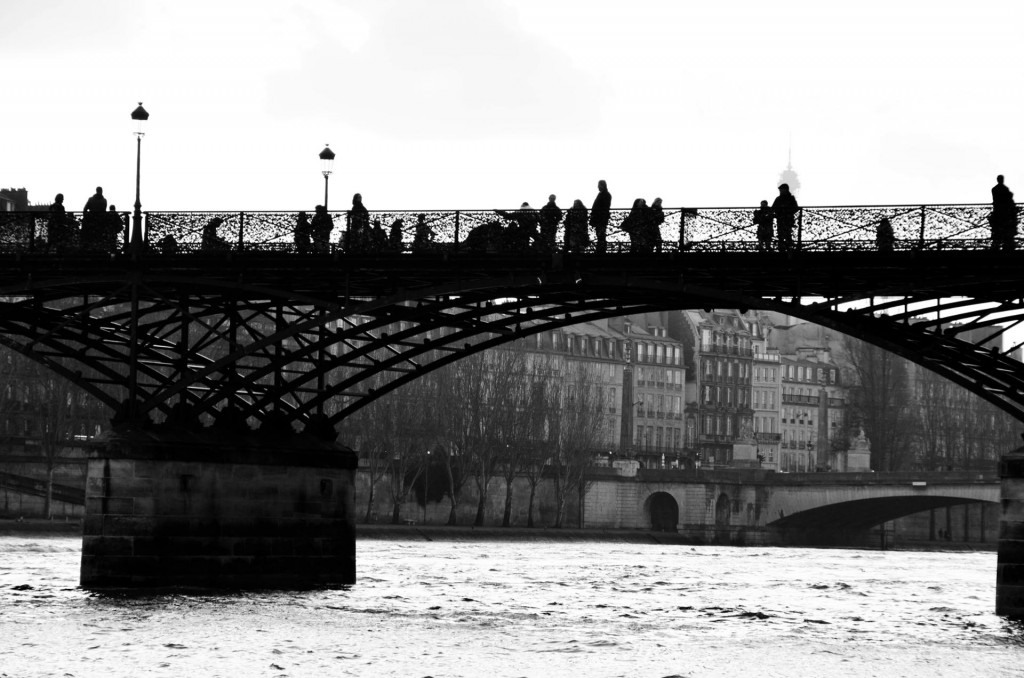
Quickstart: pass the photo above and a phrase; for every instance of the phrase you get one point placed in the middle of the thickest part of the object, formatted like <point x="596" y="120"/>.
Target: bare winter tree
<point x="521" y="424"/>
<point x="461" y="415"/>
<point x="580" y="428"/>
<point x="371" y="432"/>
<point x="498" y="395"/>
<point x="881" y="399"/>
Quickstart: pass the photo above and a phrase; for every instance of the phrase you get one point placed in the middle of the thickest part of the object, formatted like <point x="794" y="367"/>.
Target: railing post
<point x="682" y="230"/>
<point x="31" y="232"/>
<point x="799" y="228"/>
<point x="241" y="231"/>
<point x="457" y="225"/>
<point x="921" y="236"/>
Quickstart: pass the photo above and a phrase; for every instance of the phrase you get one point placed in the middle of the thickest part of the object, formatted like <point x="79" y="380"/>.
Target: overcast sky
<point x="487" y="103"/>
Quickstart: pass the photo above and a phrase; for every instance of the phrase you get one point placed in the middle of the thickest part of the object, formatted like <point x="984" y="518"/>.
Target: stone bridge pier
<point x="1010" y="563"/>
<point x="210" y="508"/>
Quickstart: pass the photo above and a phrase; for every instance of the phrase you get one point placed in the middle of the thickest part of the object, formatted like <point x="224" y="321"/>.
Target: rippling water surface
<point x="494" y="609"/>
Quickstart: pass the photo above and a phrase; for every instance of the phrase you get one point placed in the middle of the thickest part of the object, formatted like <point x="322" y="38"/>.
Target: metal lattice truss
<point x="268" y="330"/>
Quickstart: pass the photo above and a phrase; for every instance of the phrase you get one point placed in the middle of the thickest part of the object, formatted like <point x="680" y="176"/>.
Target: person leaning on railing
<point x="211" y="241"/>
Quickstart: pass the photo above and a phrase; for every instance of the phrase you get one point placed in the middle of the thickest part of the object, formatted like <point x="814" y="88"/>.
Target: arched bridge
<point x="768" y="507"/>
<point x="230" y="311"/>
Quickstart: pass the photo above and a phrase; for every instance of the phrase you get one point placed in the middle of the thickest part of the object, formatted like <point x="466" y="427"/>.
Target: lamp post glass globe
<point x="326" y="165"/>
<point x="139" y="115"/>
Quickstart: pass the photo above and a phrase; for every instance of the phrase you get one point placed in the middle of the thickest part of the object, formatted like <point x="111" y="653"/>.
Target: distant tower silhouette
<point x="788" y="175"/>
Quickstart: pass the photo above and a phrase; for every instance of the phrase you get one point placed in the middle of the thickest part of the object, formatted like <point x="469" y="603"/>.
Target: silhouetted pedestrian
<point x="550" y="217"/>
<point x="763" y="223"/>
<point x="577" y="235"/>
<point x="600" y="213"/>
<point x="785" y="209"/>
<point x="112" y="227"/>
<point x="58" y="229"/>
<point x="423" y="236"/>
<point x="395" y="236"/>
<point x="211" y="241"/>
<point x="884" y="237"/>
<point x="652" y="230"/>
<point x="357" y="235"/>
<point x="321" y="226"/>
<point x="93" y="220"/>
<point x="303" y="233"/>
<point x="635" y="225"/>
<point x="378" y="238"/>
<point x="168" y="244"/>
<point x="1003" y="219"/>
<point x="96" y="205"/>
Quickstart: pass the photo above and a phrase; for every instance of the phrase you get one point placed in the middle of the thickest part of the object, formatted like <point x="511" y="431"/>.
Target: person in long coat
<point x="58" y="229"/>
<point x="652" y="227"/>
<point x="94" y="217"/>
<point x="600" y="213"/>
<point x="358" y="234"/>
<point x="550" y="217"/>
<point x="1004" y="216"/>
<point x="322" y="226"/>
<point x="784" y="209"/>
<point x="303" y="233"/>
<point x="577" y="235"/>
<point x="763" y="221"/>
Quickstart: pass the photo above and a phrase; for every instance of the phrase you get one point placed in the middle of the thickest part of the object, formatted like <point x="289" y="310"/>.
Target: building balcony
<point x="790" y="399"/>
<point x="767" y="437"/>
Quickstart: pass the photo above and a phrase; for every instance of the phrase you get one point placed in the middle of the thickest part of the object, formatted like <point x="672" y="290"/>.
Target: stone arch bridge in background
<point x="764" y="507"/>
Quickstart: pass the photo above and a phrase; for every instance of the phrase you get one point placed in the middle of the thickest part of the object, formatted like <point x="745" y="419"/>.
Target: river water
<point x="540" y="608"/>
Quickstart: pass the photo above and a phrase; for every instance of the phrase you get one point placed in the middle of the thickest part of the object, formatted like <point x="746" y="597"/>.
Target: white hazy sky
<point x="487" y="103"/>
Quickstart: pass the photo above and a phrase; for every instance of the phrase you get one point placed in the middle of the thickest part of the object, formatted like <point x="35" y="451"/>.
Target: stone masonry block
<point x="108" y="546"/>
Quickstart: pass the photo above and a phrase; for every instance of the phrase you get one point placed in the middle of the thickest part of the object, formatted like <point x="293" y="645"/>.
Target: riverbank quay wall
<point x="207" y="508"/>
<point x="23" y="485"/>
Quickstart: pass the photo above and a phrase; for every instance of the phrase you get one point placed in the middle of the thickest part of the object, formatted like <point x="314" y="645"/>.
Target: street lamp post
<point x="139" y="115"/>
<point x="326" y="165"/>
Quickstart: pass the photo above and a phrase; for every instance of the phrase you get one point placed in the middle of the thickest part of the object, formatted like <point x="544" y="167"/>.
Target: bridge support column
<point x="166" y="507"/>
<point x="1010" y="567"/>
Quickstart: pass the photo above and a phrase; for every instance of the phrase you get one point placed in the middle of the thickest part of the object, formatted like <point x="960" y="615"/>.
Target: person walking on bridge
<point x="58" y="230"/>
<point x="321" y="228"/>
<point x="94" y="218"/>
<point x="784" y="209"/>
<point x="1003" y="219"/>
<point x="763" y="223"/>
<point x="550" y="217"/>
<point x="600" y="213"/>
<point x="577" y="237"/>
<point x="357" y="236"/>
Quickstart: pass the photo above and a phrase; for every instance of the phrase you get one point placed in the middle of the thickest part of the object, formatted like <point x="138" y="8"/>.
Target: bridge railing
<point x="35" y="231"/>
<point x="817" y="229"/>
